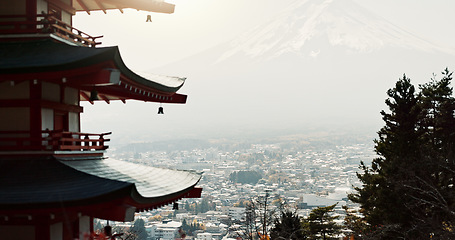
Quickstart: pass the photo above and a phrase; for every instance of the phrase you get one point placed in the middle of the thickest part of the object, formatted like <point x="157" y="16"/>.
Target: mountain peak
<point x="308" y="28"/>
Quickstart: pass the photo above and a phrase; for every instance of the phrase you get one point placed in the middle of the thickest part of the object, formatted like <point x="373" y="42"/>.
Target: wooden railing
<point x="52" y="141"/>
<point x="45" y="23"/>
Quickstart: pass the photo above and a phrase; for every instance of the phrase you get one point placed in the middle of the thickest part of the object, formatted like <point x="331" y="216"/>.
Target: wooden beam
<point x="100" y="5"/>
<point x="6" y="103"/>
<point x="86" y="97"/>
<point x="105" y="98"/>
<point x="61" y="106"/>
<point x="83" y="6"/>
<point x="144" y="5"/>
<point x="56" y="75"/>
<point x="104" y="5"/>
<point x="194" y="193"/>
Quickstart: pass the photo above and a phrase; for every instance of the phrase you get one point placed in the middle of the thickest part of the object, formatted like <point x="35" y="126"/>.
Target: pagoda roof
<point x="52" y="183"/>
<point x="85" y="68"/>
<point x="144" y="5"/>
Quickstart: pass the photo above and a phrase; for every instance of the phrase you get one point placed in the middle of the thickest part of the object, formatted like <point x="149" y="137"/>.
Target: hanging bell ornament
<point x="160" y="110"/>
<point x="93" y="95"/>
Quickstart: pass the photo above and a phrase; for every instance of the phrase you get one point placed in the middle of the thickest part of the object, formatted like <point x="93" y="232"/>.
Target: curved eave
<point x="173" y="83"/>
<point x="46" y="183"/>
<point x="40" y="184"/>
<point x="153" y="187"/>
<point x="112" y="93"/>
<point x="158" y="6"/>
<point x="83" y="68"/>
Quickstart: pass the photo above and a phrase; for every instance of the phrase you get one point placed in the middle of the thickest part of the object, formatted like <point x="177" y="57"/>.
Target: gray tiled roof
<point x="150" y="182"/>
<point x="48" y="55"/>
<point x="37" y="183"/>
<point x="46" y="182"/>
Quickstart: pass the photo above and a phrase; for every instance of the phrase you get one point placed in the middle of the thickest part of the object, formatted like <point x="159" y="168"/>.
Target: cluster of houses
<point x="311" y="177"/>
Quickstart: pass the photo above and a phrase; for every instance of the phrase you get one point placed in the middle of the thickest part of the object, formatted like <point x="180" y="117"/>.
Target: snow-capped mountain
<point x="327" y="62"/>
<point x="303" y="26"/>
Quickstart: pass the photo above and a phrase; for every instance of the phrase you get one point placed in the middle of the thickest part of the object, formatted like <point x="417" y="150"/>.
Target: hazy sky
<point x="198" y="25"/>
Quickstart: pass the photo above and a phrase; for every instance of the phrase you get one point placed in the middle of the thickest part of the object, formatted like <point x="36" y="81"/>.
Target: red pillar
<point x="42" y="231"/>
<point x="91" y="225"/>
<point x="30" y="10"/>
<point x="71" y="226"/>
<point x="35" y="111"/>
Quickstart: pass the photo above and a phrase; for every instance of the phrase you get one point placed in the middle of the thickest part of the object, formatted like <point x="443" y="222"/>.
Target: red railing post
<point x="45" y="23"/>
<point x="86" y="143"/>
<point x="101" y="142"/>
<point x="51" y="140"/>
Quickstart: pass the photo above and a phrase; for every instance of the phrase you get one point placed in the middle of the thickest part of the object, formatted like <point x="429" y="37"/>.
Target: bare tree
<point x="259" y="218"/>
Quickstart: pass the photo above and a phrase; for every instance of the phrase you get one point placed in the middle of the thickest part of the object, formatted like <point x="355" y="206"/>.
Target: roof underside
<point x="50" y="182"/>
<point x="87" y="69"/>
<point x="103" y="5"/>
<point x="150" y="182"/>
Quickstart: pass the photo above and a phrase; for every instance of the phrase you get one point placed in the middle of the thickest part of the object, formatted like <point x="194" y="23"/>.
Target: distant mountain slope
<point x="310" y="27"/>
<point x="319" y="63"/>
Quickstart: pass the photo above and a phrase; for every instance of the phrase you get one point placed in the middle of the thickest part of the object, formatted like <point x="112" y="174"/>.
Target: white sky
<point x="198" y="25"/>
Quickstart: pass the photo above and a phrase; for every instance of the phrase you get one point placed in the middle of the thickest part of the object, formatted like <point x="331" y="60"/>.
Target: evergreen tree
<point x="251" y="177"/>
<point x="187" y="228"/>
<point x="408" y="190"/>
<point x="354" y="223"/>
<point x="187" y="206"/>
<point x="138" y="230"/>
<point x="433" y="198"/>
<point x="97" y="225"/>
<point x="203" y="206"/>
<point x="288" y="227"/>
<point x="321" y="224"/>
<point x="397" y="147"/>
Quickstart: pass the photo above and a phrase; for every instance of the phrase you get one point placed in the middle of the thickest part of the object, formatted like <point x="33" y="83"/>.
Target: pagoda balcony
<point x="46" y="25"/>
<point x="53" y="141"/>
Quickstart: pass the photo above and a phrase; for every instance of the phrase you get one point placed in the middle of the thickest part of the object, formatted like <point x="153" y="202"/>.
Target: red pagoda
<point x="54" y="178"/>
